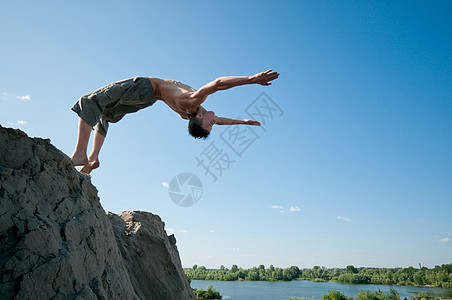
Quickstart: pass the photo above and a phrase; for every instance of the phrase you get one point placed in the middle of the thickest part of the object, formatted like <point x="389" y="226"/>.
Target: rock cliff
<point x="57" y="242"/>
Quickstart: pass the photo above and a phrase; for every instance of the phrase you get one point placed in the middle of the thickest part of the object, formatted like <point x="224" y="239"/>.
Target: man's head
<point x="201" y="124"/>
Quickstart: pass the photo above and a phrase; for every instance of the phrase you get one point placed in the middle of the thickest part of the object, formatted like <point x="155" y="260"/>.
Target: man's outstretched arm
<point x="224" y="83"/>
<point x="229" y="121"/>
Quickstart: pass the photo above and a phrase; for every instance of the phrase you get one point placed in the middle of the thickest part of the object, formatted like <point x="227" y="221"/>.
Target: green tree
<point x="294" y="272"/>
<point x="393" y="295"/>
<point x="234" y="268"/>
<point x="369" y="295"/>
<point x="422" y="295"/>
<point x="352" y="269"/>
<point x="336" y="295"/>
<point x="209" y="293"/>
<point x="419" y="278"/>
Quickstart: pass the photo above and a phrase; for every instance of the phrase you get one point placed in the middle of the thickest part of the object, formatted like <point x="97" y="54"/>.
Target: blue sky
<point x="356" y="170"/>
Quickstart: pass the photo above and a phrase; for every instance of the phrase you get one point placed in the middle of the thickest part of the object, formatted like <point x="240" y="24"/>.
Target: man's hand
<point x="264" y="78"/>
<point x="251" y="122"/>
<point x="229" y="121"/>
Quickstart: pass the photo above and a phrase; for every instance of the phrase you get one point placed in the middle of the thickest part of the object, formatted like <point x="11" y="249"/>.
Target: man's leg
<point x="79" y="156"/>
<point x="93" y="160"/>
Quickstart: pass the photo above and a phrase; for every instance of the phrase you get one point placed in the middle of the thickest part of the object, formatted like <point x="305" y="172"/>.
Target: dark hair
<point x="195" y="128"/>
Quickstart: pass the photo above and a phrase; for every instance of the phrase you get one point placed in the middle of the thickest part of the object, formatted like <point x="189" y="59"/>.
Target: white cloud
<point x="283" y="210"/>
<point x="235" y="249"/>
<point x="24" y="97"/>
<point x="345" y="219"/>
<point x="173" y="231"/>
<point x="212" y="231"/>
<point x="205" y="257"/>
<point x="444" y="240"/>
<point x="17" y="123"/>
<point x="277" y="207"/>
<point x="165" y="184"/>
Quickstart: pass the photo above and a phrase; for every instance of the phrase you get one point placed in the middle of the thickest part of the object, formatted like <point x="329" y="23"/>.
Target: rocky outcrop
<point x="57" y="242"/>
<point x="140" y="235"/>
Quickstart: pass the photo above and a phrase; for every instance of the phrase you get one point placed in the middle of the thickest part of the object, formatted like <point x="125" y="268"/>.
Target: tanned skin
<point x="182" y="99"/>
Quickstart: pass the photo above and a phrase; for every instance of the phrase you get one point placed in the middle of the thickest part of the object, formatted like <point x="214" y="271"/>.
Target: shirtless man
<point x="111" y="102"/>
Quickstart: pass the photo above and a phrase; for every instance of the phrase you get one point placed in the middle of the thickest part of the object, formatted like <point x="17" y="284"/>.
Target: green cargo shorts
<point x="112" y="102"/>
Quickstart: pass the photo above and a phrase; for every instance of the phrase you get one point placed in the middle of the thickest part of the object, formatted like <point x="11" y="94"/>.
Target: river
<point x="280" y="290"/>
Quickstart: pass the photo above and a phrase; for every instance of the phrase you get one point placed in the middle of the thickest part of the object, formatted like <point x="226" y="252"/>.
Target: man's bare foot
<point x="79" y="160"/>
<point x="90" y="166"/>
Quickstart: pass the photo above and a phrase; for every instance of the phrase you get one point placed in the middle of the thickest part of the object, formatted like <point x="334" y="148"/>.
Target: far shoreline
<point x="437" y="277"/>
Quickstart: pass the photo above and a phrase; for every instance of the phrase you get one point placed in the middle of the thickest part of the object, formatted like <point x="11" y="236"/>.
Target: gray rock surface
<point x="57" y="242"/>
<point x="140" y="235"/>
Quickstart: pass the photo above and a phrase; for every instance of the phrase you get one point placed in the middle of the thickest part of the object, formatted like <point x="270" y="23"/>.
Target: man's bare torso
<point x="176" y="95"/>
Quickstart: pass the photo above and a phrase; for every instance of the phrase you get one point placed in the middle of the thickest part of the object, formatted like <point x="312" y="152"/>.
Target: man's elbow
<point x="219" y="84"/>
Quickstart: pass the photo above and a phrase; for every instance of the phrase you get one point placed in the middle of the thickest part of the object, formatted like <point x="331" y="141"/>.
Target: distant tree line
<point x="439" y="276"/>
<point x="235" y="273"/>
